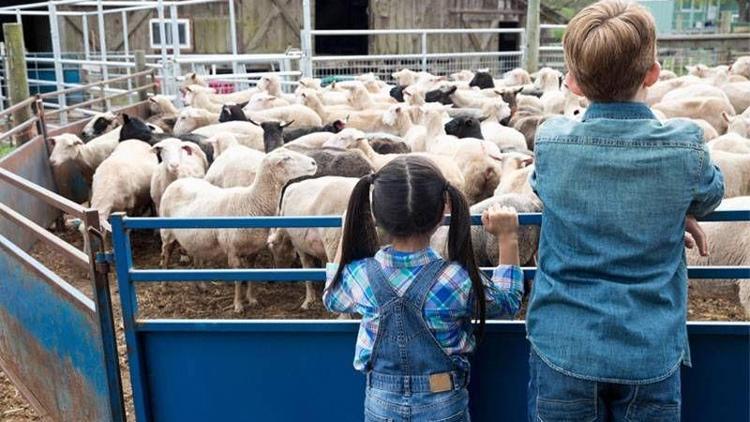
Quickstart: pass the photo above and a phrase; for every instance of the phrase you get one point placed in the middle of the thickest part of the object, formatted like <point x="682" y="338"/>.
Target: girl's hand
<point x="499" y="220"/>
<point x="694" y="236"/>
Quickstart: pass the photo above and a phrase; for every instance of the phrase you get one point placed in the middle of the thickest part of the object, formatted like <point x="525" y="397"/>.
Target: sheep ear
<point x="188" y="89"/>
<point x="283" y="125"/>
<point x="527" y="162"/>
<point x="725" y="116"/>
<point x="483" y="118"/>
<point x="187" y="149"/>
<point x="251" y="121"/>
<point x="51" y="142"/>
<point x="242" y="105"/>
<point x="339" y="125"/>
<point x="125" y="118"/>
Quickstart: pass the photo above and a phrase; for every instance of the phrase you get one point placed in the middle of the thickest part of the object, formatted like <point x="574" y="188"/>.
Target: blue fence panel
<point x="50" y="344"/>
<point x="301" y="370"/>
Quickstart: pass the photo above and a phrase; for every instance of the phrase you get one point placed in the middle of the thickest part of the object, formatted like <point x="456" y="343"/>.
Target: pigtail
<point x="359" y="237"/>
<point x="460" y="250"/>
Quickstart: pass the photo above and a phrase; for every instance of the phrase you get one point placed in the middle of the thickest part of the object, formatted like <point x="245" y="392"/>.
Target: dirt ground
<point x="187" y="300"/>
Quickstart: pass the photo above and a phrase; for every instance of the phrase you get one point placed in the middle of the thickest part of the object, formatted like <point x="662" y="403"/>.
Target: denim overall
<point x="410" y="377"/>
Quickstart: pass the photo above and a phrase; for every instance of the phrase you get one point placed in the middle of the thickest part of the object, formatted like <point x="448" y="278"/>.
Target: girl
<point x="416" y="332"/>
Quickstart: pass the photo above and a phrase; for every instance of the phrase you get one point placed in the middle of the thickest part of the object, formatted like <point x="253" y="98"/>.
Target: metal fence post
<point x="176" y="72"/>
<point x="424" y="51"/>
<point x="85" y="30"/>
<point x="126" y="48"/>
<point x="57" y="55"/>
<point x="306" y="40"/>
<point x="103" y="49"/>
<point x="233" y="36"/>
<point x="163" y="44"/>
<point x="18" y="85"/>
<point x="103" y="299"/>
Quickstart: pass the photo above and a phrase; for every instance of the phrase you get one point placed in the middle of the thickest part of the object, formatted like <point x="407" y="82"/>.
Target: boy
<point x="607" y="315"/>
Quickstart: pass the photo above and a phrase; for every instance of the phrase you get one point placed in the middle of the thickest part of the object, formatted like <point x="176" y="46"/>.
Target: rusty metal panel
<point x="49" y="340"/>
<point x="31" y="162"/>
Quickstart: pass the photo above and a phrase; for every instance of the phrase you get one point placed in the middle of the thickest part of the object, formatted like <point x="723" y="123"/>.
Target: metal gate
<point x="301" y="370"/>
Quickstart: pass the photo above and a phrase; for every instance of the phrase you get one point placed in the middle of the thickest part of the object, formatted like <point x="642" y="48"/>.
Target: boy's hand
<point x="500" y="221"/>
<point x="695" y="236"/>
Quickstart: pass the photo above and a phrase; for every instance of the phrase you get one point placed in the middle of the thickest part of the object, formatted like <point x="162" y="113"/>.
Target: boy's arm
<point x="710" y="188"/>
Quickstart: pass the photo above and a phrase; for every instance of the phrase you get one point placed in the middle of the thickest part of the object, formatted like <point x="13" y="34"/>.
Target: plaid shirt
<point x="448" y="308"/>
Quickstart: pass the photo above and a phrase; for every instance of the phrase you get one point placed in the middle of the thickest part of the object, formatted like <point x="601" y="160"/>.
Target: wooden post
<point x="140" y="66"/>
<point x="531" y="58"/>
<point x="18" y="85"/>
<point x="725" y="22"/>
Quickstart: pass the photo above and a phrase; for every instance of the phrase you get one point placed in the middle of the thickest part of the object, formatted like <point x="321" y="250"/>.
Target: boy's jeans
<point x="385" y="406"/>
<point x="554" y="396"/>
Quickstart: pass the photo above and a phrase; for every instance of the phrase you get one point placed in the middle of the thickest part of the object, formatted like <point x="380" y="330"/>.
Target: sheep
<point x="301" y="115"/>
<point x="235" y="164"/>
<point x="414" y="97"/>
<point x="395" y="120"/>
<point x="246" y="133"/>
<point x="311" y="100"/>
<point x="100" y="124"/>
<point x="708" y="109"/>
<point x="263" y="101"/>
<point x="738" y="94"/>
<point x="292" y="134"/>
<point x="327" y="195"/>
<point x="204" y="96"/>
<point x="68" y="148"/>
<point x="203" y="100"/>
<point x="738" y="124"/>
<point x="506" y="138"/>
<point x="192" y="79"/>
<point x="431" y="126"/>
<point x="135" y="128"/>
<point x="361" y="99"/>
<point x="657" y="91"/>
<point x="709" y="132"/>
<point x="464" y="127"/>
<point x="736" y="171"/>
<point x="311" y="83"/>
<point x="515" y="176"/>
<point x="443" y="95"/>
<point x="163" y="112"/>
<point x="331" y="161"/>
<point x="484" y="244"/>
<point x="527" y="120"/>
<point x="730" y="142"/>
<point x="123" y="180"/>
<point x="190" y="197"/>
<point x="177" y="159"/>
<point x="728" y="245"/>
<point x="463" y="75"/>
<point x="482" y="79"/>
<point x="231" y="112"/>
<point x="191" y="118"/>
<point x="741" y="67"/>
<point x="666" y="75"/>
<point x="694" y="90"/>
<point x="384" y="143"/>
<point x="271" y="84"/>
<point x="514" y="78"/>
<point x="397" y="93"/>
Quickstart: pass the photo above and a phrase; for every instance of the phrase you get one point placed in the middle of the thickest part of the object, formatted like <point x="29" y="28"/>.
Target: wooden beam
<point x="132" y="28"/>
<point x="260" y="34"/>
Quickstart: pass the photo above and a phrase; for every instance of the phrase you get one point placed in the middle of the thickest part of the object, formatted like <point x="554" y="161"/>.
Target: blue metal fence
<point x="301" y="370"/>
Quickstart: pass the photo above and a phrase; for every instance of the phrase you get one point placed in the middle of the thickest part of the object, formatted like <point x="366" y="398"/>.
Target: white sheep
<point x="177" y="159"/>
<point x="191" y="118"/>
<point x="395" y="120"/>
<point x="657" y="91"/>
<point x="464" y="75"/>
<point x="730" y="142"/>
<point x="263" y="101"/>
<point x="192" y="197"/>
<point x="736" y="171"/>
<point x="246" y="133"/>
<point x="234" y="164"/>
<point x="67" y="148"/>
<point x="707" y="108"/>
<point x="502" y="136"/>
<point x="741" y="67"/>
<point x="122" y="182"/>
<point x="298" y="114"/>
<point x="327" y="195"/>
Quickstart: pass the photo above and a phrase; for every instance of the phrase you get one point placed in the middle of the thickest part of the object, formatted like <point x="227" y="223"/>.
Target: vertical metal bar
<point x="86" y="49"/>
<point x="103" y="49"/>
<point x="57" y="55"/>
<point x="126" y="47"/>
<point x="424" y="52"/>
<point x="165" y="88"/>
<point x="103" y="299"/>
<point x="307" y="47"/>
<point x="532" y="36"/>
<point x="3" y="74"/>
<point x="19" y="17"/>
<point x="176" y="72"/>
<point x="129" y="303"/>
<point x="692" y="14"/>
<point x="233" y="35"/>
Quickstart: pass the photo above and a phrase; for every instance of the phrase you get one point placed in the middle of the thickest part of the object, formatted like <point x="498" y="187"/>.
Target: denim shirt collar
<point x="619" y="111"/>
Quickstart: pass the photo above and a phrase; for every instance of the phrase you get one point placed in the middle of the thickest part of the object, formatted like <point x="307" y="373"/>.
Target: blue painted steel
<point x="301" y="370"/>
<point x="328" y="221"/>
<point x="129" y="304"/>
<point x="50" y="340"/>
<point x="306" y="274"/>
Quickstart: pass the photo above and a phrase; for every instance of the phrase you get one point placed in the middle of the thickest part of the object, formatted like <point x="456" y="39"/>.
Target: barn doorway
<point x="508" y="42"/>
<point x="341" y="14"/>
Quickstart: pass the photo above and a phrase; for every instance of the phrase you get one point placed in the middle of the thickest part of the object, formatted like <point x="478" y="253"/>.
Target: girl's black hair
<point x="408" y="198"/>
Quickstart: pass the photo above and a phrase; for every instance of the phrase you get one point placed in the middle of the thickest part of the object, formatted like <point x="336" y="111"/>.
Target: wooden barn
<point x="272" y="26"/>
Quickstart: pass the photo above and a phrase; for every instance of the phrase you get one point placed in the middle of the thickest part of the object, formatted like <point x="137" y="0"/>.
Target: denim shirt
<point x="609" y="301"/>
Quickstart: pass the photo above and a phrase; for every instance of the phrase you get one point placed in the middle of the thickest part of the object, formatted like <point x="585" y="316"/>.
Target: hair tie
<point x="446" y="186"/>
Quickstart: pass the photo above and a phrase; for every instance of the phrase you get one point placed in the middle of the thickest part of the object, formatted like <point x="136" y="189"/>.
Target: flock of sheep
<point x="262" y="152"/>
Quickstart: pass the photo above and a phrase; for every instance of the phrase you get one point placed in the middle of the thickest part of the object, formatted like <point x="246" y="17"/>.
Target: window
<point x="183" y="33"/>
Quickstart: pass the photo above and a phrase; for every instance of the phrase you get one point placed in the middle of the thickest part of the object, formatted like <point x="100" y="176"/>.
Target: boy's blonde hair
<point x="609" y="47"/>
